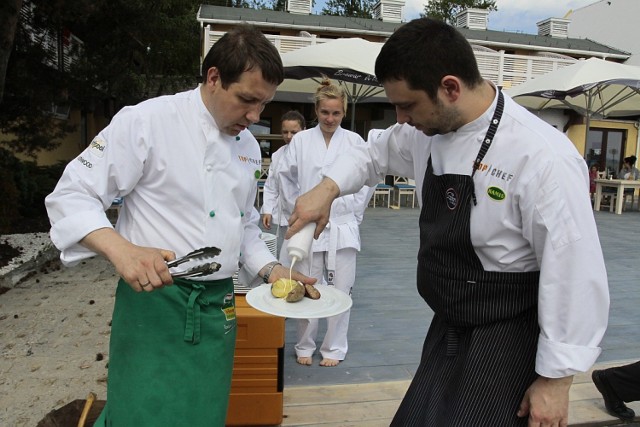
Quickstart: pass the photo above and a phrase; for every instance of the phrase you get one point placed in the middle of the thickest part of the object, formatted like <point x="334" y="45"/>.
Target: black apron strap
<point x="488" y="139"/>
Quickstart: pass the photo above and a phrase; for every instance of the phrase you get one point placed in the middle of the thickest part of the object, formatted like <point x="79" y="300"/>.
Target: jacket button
<point x="212" y="213"/>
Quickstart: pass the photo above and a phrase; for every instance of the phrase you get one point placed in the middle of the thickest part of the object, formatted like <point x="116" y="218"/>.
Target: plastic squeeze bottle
<point x="299" y="244"/>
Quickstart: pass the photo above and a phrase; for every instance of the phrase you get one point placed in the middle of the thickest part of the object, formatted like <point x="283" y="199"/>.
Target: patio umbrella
<point x="349" y="61"/>
<point x="594" y="88"/>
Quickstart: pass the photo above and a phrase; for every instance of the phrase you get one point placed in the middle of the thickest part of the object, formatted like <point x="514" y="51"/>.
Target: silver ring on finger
<point x="144" y="285"/>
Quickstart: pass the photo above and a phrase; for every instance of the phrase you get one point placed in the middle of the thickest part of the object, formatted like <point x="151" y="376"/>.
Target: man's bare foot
<point x="305" y="360"/>
<point x="329" y="362"/>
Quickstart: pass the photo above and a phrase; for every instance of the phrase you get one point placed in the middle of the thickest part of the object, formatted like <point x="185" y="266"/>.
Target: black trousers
<point x="625" y="380"/>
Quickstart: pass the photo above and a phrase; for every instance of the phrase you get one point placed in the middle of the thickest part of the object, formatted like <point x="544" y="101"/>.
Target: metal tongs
<point x="199" y="270"/>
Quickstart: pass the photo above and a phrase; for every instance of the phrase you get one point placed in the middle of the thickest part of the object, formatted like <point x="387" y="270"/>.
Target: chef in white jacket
<point x="273" y="209"/>
<point x="333" y="258"/>
<point x="509" y="260"/>
<point x="186" y="166"/>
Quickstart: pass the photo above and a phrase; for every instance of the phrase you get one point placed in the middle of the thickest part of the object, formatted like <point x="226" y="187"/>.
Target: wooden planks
<point x="374" y="404"/>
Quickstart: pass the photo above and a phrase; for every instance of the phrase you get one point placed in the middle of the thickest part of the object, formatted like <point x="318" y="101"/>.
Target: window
<point x="605" y="148"/>
<point x="263" y="127"/>
<point x="60" y="111"/>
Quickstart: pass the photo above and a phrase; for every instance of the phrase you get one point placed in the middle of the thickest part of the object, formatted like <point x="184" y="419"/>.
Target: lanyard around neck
<point x="488" y="139"/>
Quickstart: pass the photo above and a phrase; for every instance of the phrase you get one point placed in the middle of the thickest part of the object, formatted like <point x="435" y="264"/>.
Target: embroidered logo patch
<point x="86" y="163"/>
<point x="451" y="197"/>
<point x="228" y="308"/>
<point x="496" y="193"/>
<point x="97" y="147"/>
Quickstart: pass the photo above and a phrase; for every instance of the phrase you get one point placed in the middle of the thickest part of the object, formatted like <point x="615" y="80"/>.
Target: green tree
<point x="446" y="10"/>
<point x="350" y="8"/>
<point x="33" y="85"/>
<point x="136" y="49"/>
<point x="131" y="50"/>
<point x="9" y="10"/>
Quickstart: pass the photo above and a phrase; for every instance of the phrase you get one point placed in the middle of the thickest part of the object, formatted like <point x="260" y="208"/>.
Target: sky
<point x="512" y="15"/>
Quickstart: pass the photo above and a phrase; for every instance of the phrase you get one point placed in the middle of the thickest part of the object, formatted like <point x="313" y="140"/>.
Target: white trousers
<point x="334" y="345"/>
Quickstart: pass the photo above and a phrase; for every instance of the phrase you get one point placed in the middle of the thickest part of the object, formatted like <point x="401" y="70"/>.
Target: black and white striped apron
<point x="479" y="355"/>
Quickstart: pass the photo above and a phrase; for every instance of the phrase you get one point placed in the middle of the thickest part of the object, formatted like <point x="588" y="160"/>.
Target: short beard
<point x="449" y="120"/>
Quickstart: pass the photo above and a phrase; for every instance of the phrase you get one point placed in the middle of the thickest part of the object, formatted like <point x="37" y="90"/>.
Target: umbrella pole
<point x="586" y="132"/>
<point x="587" y="125"/>
<point x="353" y="116"/>
<point x="353" y="109"/>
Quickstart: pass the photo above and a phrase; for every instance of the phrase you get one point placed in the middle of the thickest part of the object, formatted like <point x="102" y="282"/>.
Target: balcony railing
<point x="503" y="69"/>
<point x="61" y="48"/>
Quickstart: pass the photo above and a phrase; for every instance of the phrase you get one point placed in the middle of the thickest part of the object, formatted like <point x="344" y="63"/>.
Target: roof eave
<point x="551" y="49"/>
<point x="294" y="26"/>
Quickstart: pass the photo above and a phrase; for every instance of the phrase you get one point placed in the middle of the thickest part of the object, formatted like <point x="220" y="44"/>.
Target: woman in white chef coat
<point x="333" y="259"/>
<point x="273" y="210"/>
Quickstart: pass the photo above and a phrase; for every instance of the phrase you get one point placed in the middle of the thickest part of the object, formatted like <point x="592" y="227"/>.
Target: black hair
<point x="243" y="48"/>
<point x="294" y="115"/>
<point x="422" y="52"/>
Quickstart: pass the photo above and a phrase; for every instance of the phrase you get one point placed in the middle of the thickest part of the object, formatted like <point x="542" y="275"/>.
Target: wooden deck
<point x="373" y="404"/>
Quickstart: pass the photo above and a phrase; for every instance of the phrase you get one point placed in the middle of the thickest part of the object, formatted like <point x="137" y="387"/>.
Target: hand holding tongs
<point x="199" y="270"/>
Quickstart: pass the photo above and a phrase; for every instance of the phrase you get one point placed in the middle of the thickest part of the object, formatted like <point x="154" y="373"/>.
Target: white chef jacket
<point x="544" y="221"/>
<point x="185" y="184"/>
<point x="301" y="168"/>
<point x="271" y="200"/>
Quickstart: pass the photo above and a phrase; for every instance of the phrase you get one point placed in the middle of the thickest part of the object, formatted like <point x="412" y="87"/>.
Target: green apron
<point x="171" y="355"/>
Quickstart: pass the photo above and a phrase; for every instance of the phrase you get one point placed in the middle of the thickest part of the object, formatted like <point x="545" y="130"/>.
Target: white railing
<point x="284" y="44"/>
<point x="503" y="69"/>
<point x="52" y="41"/>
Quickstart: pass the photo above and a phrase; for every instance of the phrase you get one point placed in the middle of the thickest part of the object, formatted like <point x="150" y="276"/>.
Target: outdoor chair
<point x="383" y="191"/>
<point x="264" y="173"/>
<point x="404" y="187"/>
<point x="609" y="199"/>
<point x="114" y="210"/>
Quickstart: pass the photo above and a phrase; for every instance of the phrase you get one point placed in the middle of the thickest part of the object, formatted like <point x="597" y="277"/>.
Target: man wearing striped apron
<point x="186" y="167"/>
<point x="509" y="261"/>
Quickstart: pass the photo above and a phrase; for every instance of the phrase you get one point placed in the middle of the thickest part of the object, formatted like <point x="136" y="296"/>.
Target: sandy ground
<point x="44" y="368"/>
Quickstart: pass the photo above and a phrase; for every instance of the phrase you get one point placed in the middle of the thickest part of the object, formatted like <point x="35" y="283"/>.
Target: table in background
<point x="620" y="185"/>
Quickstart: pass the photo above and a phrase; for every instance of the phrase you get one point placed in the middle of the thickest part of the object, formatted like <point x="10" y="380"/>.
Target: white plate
<point x="331" y="302"/>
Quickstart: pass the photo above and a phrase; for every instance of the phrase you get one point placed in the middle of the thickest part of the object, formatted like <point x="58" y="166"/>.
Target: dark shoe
<point x="612" y="402"/>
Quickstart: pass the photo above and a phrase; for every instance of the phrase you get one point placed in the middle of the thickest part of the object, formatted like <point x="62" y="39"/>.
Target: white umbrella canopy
<point x="349" y="61"/>
<point x="593" y="87"/>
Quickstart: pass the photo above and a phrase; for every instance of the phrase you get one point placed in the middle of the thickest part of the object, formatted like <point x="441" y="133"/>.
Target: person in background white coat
<point x="509" y="260"/>
<point x="273" y="210"/>
<point x="186" y="166"/>
<point x="333" y="258"/>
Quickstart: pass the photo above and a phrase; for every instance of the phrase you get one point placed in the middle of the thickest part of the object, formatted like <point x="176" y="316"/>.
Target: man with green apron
<point x="186" y="167"/>
<point x="509" y="261"/>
